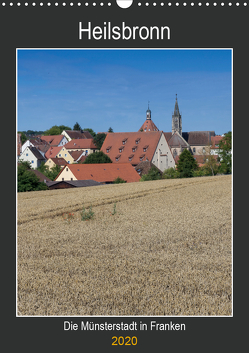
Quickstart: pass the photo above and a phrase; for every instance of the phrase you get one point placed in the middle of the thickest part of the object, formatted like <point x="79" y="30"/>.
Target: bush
<point x="170" y="173"/>
<point x="118" y="180"/>
<point x="153" y="174"/>
<point x="27" y="180"/>
<point x="97" y="157"/>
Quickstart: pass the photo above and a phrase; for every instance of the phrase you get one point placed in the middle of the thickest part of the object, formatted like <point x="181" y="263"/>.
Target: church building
<point x="194" y="141"/>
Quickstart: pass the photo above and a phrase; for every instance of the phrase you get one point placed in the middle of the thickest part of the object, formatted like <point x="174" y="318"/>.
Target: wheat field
<point x="166" y="250"/>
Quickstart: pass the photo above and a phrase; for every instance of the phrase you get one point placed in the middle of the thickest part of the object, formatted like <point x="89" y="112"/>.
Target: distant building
<point x="101" y="172"/>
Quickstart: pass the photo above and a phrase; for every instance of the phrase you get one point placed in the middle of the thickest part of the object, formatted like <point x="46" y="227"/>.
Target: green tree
<point x="91" y="132"/>
<point x="170" y="173"/>
<point x="97" y="157"/>
<point x="27" y="180"/>
<point x="110" y="129"/>
<point x="153" y="174"/>
<point x="49" y="173"/>
<point x="23" y="137"/>
<point x="225" y="153"/>
<point x="76" y="127"/>
<point x="56" y="130"/>
<point x="119" y="180"/>
<point x="186" y="164"/>
<point x="99" y="140"/>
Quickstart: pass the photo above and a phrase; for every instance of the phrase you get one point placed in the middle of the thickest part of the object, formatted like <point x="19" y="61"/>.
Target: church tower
<point x="148" y="113"/>
<point x="176" y="119"/>
<point x="148" y="125"/>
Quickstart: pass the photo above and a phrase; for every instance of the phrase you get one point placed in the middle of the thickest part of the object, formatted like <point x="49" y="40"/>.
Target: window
<point x="145" y="148"/>
<point x="141" y="157"/>
<point x="137" y="141"/>
<point x="117" y="157"/>
<point x="131" y="157"/>
<point x="66" y="169"/>
<point x="194" y="150"/>
<point x="59" y="155"/>
<point x="65" y="154"/>
<point x="124" y="141"/>
<point x="32" y="161"/>
<point x="71" y="178"/>
<point x="62" y="179"/>
<point x="121" y="149"/>
<point x="134" y="148"/>
<point x="27" y="154"/>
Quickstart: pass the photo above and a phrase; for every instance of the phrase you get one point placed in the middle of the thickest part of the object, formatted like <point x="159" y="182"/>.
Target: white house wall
<point x="163" y="158"/>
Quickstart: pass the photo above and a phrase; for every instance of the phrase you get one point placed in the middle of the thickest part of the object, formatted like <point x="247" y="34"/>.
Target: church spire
<point x="176" y="119"/>
<point x="176" y="110"/>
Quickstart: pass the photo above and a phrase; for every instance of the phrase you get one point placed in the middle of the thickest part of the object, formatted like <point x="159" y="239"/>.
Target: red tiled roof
<point x="115" y="140"/>
<point x="148" y="125"/>
<point x="215" y="140"/>
<point x="59" y="161"/>
<point x="76" y="154"/>
<point x="103" y="172"/>
<point x="200" y="159"/>
<point x="81" y="143"/>
<point x="76" y="134"/>
<point x="53" y="140"/>
<point x="52" y="152"/>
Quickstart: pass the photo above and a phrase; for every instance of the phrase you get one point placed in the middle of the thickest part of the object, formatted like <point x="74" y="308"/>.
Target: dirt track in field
<point x="166" y="250"/>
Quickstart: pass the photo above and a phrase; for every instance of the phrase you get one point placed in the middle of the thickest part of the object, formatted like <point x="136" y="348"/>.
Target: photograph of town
<point x="124" y="182"/>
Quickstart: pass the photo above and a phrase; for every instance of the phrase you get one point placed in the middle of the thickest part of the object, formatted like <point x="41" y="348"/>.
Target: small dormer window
<point x="137" y="141"/>
<point x="117" y="157"/>
<point x="145" y="148"/>
<point x="124" y="141"/>
<point x="108" y="149"/>
<point x="131" y="157"/>
<point x="141" y="157"/>
<point x="121" y="149"/>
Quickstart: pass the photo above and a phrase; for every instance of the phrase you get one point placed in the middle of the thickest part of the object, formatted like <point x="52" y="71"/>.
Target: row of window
<point x="145" y="148"/>
<point x="130" y="157"/>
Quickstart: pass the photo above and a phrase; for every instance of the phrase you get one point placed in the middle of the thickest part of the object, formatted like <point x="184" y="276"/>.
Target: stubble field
<point x="166" y="251"/>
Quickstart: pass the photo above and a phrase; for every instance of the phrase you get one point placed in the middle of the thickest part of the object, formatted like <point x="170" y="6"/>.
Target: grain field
<point x="163" y="249"/>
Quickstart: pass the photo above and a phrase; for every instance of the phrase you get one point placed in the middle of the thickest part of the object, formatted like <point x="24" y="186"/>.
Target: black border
<point x="57" y="27"/>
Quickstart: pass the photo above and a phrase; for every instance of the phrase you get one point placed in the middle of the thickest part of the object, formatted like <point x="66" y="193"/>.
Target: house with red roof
<point x="135" y="147"/>
<point x="51" y="162"/>
<point x="59" y="152"/>
<point x="76" y="134"/>
<point x="104" y="173"/>
<point x="55" y="140"/>
<point x="84" y="145"/>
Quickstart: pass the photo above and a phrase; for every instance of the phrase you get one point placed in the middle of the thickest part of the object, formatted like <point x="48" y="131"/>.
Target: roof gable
<point x="136" y="146"/>
<point x="36" y="153"/>
<point x="177" y="140"/>
<point x="53" y="140"/>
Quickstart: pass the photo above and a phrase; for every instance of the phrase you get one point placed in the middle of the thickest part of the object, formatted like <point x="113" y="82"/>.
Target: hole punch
<point x="124" y="4"/>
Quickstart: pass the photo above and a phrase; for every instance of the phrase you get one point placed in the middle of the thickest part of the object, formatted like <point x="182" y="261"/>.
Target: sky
<point x="100" y="89"/>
